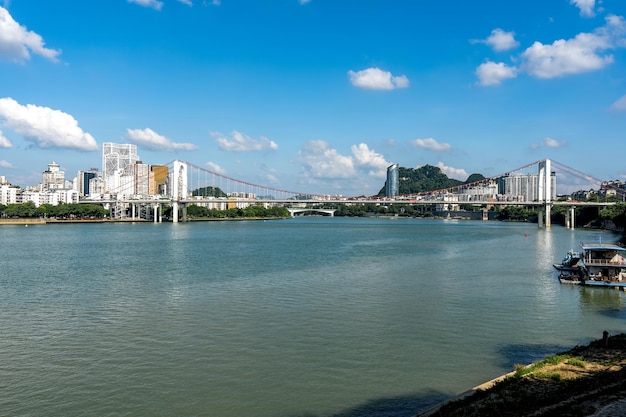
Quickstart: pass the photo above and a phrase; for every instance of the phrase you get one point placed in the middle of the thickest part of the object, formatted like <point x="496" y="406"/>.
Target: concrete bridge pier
<point x="570" y="218"/>
<point x="175" y="212"/>
<point x="158" y="213"/>
<point x="543" y="216"/>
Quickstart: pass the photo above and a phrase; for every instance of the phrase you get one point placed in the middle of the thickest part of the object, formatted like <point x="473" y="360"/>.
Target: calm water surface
<point x="302" y="317"/>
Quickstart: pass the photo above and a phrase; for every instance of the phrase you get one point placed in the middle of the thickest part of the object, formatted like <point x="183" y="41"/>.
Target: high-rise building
<point x="53" y="178"/>
<point x="524" y="187"/>
<point x="158" y="179"/>
<point x="118" y="168"/>
<point x="392" y="185"/>
<point x="82" y="181"/>
<point x="142" y="179"/>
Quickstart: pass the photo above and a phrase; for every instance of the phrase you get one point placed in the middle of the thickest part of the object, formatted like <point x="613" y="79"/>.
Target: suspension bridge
<point x="189" y="184"/>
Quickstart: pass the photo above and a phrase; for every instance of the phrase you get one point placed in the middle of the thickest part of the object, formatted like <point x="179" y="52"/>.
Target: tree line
<point x="60" y="211"/>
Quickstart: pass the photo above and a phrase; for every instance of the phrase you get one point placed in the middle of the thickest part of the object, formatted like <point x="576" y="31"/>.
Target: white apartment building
<point x="118" y="168"/>
<point x="48" y="197"/>
<point x="8" y="193"/>
<point x="53" y="178"/>
<point x="523" y="187"/>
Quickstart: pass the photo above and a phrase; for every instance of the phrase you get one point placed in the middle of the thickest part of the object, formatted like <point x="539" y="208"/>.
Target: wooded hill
<point x="426" y="178"/>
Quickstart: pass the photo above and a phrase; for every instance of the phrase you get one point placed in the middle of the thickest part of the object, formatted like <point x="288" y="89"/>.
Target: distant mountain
<point x="426" y="178"/>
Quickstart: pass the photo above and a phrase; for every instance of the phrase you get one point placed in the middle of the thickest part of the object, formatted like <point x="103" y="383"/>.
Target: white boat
<point x="570" y="262"/>
<point x="600" y="265"/>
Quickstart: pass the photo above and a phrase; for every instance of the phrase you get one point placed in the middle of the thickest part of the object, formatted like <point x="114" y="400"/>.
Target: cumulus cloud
<point x="320" y="161"/>
<point x="549" y="143"/>
<point x="456" y="173"/>
<point x="619" y="105"/>
<point x="583" y="53"/>
<point x="154" y="4"/>
<point x="149" y="139"/>
<point x="377" y="79"/>
<point x="215" y="167"/>
<point x="4" y="141"/>
<point x="5" y="164"/>
<point x="370" y="160"/>
<point x="499" y="40"/>
<point x="586" y="7"/>
<point x="431" y="144"/>
<point x="17" y="42"/>
<point x="492" y="73"/>
<point x="46" y="127"/>
<point x="238" y="142"/>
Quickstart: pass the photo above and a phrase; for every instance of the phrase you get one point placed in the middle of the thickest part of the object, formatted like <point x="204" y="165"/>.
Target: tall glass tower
<point x="393" y="177"/>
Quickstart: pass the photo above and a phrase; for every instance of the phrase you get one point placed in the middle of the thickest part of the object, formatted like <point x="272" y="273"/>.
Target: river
<point x="305" y="317"/>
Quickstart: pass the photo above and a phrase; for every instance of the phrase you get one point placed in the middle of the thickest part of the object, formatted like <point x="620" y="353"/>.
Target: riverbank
<point x="33" y="221"/>
<point x="584" y="381"/>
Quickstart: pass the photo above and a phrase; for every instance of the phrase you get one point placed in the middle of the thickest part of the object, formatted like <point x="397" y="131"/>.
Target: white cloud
<point x="320" y="161"/>
<point x="4" y="141"/>
<point x="491" y="73"/>
<point x="5" y="164"/>
<point x="456" y="173"/>
<point x="149" y="139"/>
<point x="431" y="144"/>
<point x="187" y="2"/>
<point x="46" y="127"/>
<point x="586" y="7"/>
<point x="154" y="4"/>
<point x="368" y="159"/>
<point x="238" y="142"/>
<point x="619" y="105"/>
<point x="500" y="40"/>
<point x="304" y="1"/>
<point x="583" y="53"/>
<point x="17" y="43"/>
<point x="377" y="79"/>
<point x="212" y="166"/>
<point x="549" y="143"/>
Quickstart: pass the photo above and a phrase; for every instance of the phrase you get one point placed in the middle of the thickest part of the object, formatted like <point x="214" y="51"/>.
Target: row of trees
<point x="584" y="215"/>
<point x="60" y="211"/>
<point x="91" y="211"/>
<point x="254" y="211"/>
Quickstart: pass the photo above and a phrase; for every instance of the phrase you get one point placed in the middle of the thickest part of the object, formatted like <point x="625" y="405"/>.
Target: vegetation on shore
<point x="60" y="211"/>
<point x="95" y="211"/>
<point x="254" y="211"/>
<point x="578" y="382"/>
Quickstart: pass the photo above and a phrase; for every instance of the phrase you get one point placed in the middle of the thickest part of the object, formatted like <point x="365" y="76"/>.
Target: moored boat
<point x="598" y="265"/>
<point x="603" y="265"/>
<point x="570" y="262"/>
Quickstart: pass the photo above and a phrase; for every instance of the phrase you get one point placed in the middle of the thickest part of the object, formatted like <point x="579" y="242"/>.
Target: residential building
<point x="118" y="168"/>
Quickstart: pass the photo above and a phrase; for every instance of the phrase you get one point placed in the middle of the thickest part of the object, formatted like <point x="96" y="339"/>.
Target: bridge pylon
<point x="544" y="190"/>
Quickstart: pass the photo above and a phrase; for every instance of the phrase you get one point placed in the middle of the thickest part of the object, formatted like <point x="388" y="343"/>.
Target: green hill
<point x="424" y="178"/>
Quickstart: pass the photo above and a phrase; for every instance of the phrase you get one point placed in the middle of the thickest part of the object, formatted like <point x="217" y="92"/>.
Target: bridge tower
<point x="544" y="191"/>
<point x="179" y="186"/>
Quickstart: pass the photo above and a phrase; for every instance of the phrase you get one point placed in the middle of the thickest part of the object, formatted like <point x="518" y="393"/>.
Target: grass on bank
<point x="573" y="383"/>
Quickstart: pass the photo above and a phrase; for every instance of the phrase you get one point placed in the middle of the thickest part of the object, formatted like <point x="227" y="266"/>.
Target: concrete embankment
<point x="22" y="221"/>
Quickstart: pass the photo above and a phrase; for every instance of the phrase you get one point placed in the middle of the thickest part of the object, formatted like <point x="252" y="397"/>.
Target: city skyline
<point x="314" y="96"/>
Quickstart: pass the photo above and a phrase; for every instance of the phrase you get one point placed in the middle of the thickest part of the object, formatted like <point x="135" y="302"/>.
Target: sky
<point x="315" y="96"/>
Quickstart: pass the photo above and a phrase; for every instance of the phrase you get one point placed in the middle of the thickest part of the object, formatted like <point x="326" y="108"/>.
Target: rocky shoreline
<point x="584" y="381"/>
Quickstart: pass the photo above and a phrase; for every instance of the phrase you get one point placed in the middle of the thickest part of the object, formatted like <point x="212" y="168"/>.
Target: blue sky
<point x="316" y="96"/>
